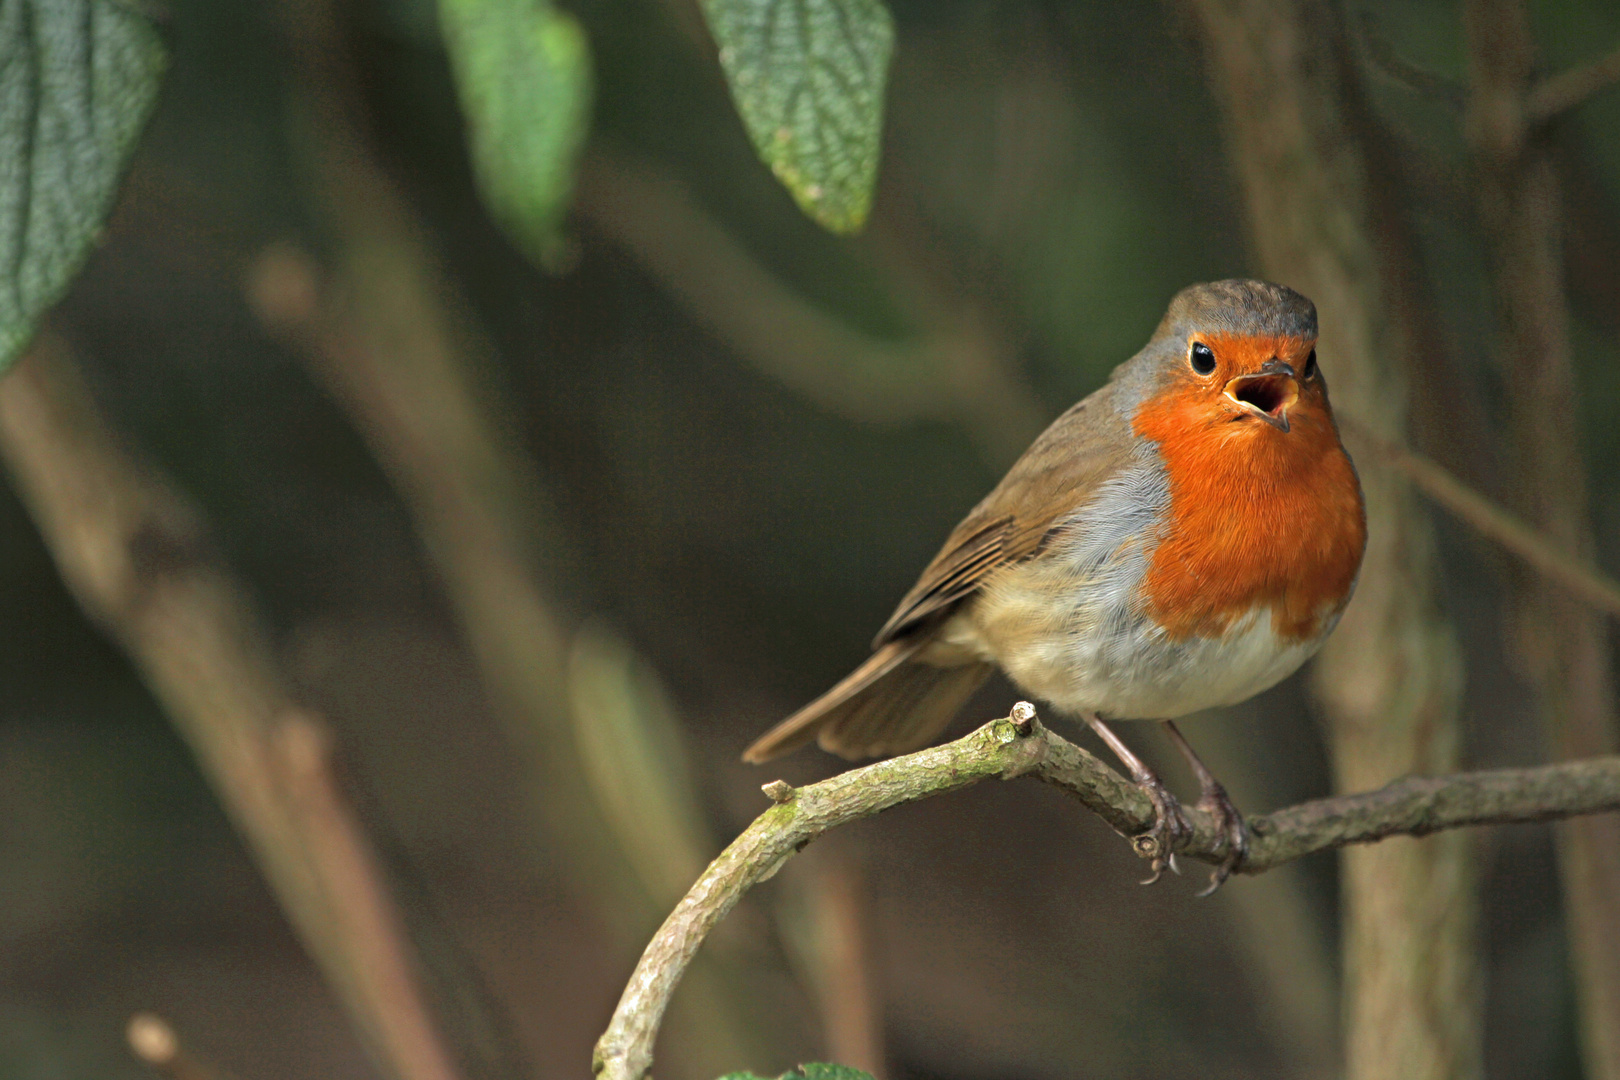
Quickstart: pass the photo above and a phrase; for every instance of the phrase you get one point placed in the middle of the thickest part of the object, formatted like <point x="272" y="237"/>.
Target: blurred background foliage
<point x="734" y="510"/>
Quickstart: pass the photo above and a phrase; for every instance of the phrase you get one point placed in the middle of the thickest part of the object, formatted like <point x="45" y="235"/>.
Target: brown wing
<point x="895" y="702"/>
<point x="1057" y="474"/>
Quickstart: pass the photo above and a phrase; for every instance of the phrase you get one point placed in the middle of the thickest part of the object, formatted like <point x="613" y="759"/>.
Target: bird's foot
<point x="1213" y="801"/>
<point x="1219" y="807"/>
<point x="1168" y="831"/>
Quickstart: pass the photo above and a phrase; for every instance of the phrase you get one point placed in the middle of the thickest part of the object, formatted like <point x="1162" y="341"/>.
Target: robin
<point x="1184" y="538"/>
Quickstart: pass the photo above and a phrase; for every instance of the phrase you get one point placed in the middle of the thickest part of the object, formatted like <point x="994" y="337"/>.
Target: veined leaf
<point x="815" y="1070"/>
<point x="821" y="1070"/>
<point x="78" y="79"/>
<point x="522" y="71"/>
<point x="808" y="78"/>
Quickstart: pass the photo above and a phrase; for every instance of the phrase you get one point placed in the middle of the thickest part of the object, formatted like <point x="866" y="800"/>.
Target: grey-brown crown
<point x="1237" y="306"/>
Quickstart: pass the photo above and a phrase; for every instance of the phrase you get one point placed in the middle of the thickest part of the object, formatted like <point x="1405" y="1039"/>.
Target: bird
<point x="1183" y="538"/>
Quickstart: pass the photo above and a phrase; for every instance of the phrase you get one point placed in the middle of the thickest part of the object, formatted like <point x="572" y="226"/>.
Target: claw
<point x="1214" y="802"/>
<point x="1218" y="806"/>
<point x="1168" y="830"/>
<point x="1159" y="867"/>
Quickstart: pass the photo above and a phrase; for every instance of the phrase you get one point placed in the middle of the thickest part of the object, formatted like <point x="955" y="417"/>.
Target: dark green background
<point x="1060" y="164"/>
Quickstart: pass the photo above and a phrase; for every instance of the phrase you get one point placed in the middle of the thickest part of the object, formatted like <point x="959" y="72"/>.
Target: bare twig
<point x="826" y="915"/>
<point x="415" y="402"/>
<point x="1560" y="93"/>
<point x="954" y="369"/>
<point x="1386" y="58"/>
<point x="388" y="334"/>
<point x="1496" y="523"/>
<point x="362" y="909"/>
<point x="1551" y="98"/>
<point x="1001" y="749"/>
<point x="134" y="554"/>
<point x="633" y="751"/>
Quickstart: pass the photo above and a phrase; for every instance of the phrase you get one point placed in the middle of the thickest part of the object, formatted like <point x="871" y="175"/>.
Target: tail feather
<point x="903" y="712"/>
<point x="891" y="704"/>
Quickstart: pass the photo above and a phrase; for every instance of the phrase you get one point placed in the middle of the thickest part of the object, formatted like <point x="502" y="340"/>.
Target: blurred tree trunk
<point x="1323" y="220"/>
<point x="1562" y="642"/>
<point x="136" y="554"/>
<point x="393" y="342"/>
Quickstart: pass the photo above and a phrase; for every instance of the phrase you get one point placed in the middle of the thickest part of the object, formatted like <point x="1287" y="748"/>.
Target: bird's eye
<point x="1310" y="365"/>
<point x="1202" y="358"/>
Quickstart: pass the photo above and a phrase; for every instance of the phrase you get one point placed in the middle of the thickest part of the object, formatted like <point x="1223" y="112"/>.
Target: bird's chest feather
<point x="1257" y="519"/>
<point x="1193" y="578"/>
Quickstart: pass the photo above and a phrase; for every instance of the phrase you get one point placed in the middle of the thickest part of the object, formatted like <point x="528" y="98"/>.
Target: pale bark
<point x="1562" y="643"/>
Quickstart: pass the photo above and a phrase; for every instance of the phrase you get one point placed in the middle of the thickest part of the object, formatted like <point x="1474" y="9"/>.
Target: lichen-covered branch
<point x="1020" y="746"/>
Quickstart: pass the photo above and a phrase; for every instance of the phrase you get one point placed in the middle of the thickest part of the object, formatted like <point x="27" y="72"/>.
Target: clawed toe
<point x="1167" y="832"/>
<point x="1169" y="829"/>
<point x="1228" y="820"/>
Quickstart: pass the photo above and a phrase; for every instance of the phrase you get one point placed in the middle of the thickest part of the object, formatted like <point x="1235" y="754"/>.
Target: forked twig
<point x="1562" y="92"/>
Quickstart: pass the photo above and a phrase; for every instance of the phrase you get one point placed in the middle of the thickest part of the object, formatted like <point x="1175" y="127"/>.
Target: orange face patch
<point x="1258" y="516"/>
<point x="1239" y="354"/>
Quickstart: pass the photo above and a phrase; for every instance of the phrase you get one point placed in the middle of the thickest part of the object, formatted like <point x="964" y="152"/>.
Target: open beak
<point x="1268" y="394"/>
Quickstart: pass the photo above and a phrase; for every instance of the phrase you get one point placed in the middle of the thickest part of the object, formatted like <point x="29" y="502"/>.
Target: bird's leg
<point x="1213" y="801"/>
<point x="1169" y="825"/>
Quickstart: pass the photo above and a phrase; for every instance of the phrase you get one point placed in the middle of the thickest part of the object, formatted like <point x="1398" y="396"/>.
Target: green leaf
<point x="523" y="73"/>
<point x="808" y="79"/>
<point x="820" y="1070"/>
<point x="815" y="1070"/>
<point x="78" y="79"/>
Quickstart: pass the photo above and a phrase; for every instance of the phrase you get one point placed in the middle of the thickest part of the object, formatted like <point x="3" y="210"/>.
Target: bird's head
<point x="1235" y="362"/>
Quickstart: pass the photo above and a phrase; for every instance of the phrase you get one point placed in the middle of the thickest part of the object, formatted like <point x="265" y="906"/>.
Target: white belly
<point x="1131" y="671"/>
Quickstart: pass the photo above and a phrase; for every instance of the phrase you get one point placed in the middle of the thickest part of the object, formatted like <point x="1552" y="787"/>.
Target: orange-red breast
<point x="1183" y="538"/>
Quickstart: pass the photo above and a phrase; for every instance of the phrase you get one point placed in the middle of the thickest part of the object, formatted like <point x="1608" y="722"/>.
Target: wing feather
<point x="1056" y="476"/>
<point x="898" y="700"/>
